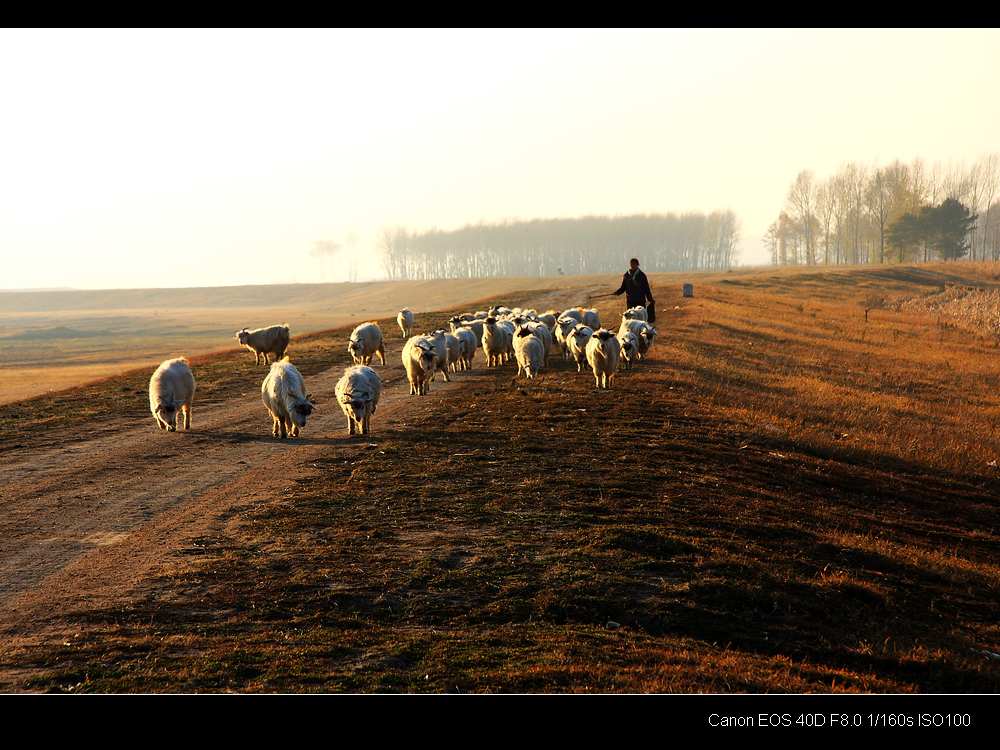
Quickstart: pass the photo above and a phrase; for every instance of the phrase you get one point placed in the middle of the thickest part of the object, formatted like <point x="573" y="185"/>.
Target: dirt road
<point x="91" y="523"/>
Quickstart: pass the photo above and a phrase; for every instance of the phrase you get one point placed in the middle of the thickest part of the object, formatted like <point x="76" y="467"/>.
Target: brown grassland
<point x="783" y="497"/>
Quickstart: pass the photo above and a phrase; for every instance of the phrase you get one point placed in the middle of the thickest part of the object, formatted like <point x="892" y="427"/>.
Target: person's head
<point x="633" y="264"/>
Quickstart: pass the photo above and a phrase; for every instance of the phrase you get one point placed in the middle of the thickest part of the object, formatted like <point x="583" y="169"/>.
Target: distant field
<point x="55" y="340"/>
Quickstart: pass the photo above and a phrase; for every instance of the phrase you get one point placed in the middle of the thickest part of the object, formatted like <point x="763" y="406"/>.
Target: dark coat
<point x="636" y="289"/>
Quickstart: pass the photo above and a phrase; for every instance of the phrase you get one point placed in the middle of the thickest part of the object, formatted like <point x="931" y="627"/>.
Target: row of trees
<point x="900" y="212"/>
<point x="544" y="247"/>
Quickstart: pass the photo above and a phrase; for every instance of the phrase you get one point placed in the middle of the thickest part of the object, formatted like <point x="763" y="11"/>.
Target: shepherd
<point x="635" y="285"/>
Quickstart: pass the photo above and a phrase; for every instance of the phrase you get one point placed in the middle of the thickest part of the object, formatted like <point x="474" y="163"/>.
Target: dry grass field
<point x="783" y="497"/>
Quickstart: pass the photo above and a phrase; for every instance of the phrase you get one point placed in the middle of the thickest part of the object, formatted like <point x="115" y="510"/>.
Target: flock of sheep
<point x="502" y="333"/>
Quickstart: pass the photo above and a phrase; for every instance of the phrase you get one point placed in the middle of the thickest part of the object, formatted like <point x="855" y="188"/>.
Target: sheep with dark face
<point x="358" y="391"/>
<point x="171" y="391"/>
<point x="602" y="354"/>
<point x="577" y="342"/>
<point x="366" y="341"/>
<point x="440" y="343"/>
<point x="263" y="341"/>
<point x="420" y="362"/>
<point x="475" y="325"/>
<point x="284" y="394"/>
<point x="529" y="351"/>
<point x="538" y="329"/>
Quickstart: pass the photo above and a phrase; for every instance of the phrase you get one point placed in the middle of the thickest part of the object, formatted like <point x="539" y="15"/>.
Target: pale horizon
<point x="164" y="158"/>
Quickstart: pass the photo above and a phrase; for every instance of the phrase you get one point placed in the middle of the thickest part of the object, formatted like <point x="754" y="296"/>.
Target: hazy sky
<point x="182" y="158"/>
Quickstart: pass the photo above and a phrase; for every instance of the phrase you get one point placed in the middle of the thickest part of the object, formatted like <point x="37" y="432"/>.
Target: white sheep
<point x="591" y="318"/>
<point x="453" y="346"/>
<point x="358" y="391"/>
<point x="264" y="341"/>
<point x="366" y="341"/>
<point x="564" y="327"/>
<point x="602" y="354"/>
<point x="645" y="333"/>
<point x="529" y="351"/>
<point x="629" y="344"/>
<point x="440" y="344"/>
<point x="171" y="391"/>
<point x="405" y="320"/>
<point x="577" y="342"/>
<point x="284" y="394"/>
<point x="576" y="313"/>
<point x="475" y="325"/>
<point x="635" y="313"/>
<point x="420" y="362"/>
<point x="467" y="337"/>
<point x="497" y="341"/>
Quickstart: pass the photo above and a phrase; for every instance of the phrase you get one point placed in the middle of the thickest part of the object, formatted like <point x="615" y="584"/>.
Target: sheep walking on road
<point x="284" y="394"/>
<point x="171" y="391"/>
<point x="366" y="341"/>
<point x="358" y="392"/>
<point x="529" y="349"/>
<point x="577" y="342"/>
<point x="420" y="362"/>
<point x="602" y="354"/>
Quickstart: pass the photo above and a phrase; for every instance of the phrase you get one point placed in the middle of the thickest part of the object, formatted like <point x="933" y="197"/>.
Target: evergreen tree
<point x="949" y="228"/>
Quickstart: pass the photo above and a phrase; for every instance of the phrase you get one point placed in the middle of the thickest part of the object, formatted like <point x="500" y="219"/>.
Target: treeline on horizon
<point x="892" y="214"/>
<point x="546" y="247"/>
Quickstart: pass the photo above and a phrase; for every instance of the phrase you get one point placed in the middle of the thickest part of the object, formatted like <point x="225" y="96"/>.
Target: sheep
<point x="530" y="352"/>
<point x="563" y="328"/>
<point x="591" y="318"/>
<point x="645" y="333"/>
<point x="549" y="318"/>
<point x="576" y="313"/>
<point x="577" y="342"/>
<point x="629" y="344"/>
<point x="469" y="342"/>
<point x="540" y="330"/>
<point x="481" y="315"/>
<point x="271" y="340"/>
<point x="508" y="326"/>
<point x="284" y="394"/>
<point x="405" y="320"/>
<point x="358" y="391"/>
<point x="420" y="362"/>
<point x="635" y="313"/>
<point x="441" y="351"/>
<point x="475" y="325"/>
<point x="454" y="349"/>
<point x="171" y="391"/>
<point x="497" y="340"/>
<point x="602" y="354"/>
<point x="366" y="341"/>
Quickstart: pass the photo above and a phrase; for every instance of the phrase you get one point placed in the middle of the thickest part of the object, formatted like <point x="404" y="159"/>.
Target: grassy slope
<point x="782" y="499"/>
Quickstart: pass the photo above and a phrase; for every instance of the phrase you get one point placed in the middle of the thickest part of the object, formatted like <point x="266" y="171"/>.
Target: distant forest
<point x="546" y="247"/>
<point x="896" y="213"/>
